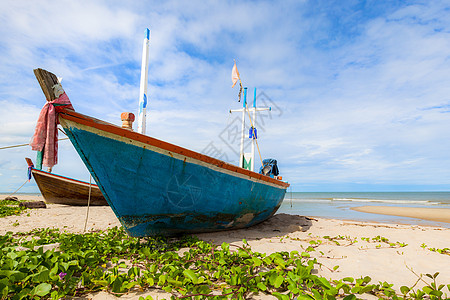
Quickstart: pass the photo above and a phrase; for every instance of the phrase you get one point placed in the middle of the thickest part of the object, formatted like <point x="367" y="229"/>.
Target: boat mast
<point x="142" y="115"/>
<point x="245" y="109"/>
<point x="253" y="135"/>
<point x="241" y="155"/>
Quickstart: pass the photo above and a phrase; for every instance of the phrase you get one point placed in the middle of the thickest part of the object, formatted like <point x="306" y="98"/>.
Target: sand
<point x="354" y="256"/>
<point x="431" y="214"/>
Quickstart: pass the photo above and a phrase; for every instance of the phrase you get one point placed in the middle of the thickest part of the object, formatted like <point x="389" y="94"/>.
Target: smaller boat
<point x="57" y="189"/>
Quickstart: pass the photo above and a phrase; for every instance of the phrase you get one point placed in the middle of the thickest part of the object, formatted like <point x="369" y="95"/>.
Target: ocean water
<point x="337" y="205"/>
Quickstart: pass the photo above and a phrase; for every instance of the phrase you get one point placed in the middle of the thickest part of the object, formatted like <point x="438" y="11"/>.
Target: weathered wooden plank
<point x="33" y="204"/>
<point x="46" y="80"/>
<point x="11" y="199"/>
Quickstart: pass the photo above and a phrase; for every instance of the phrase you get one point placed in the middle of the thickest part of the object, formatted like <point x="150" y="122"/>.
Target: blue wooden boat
<point x="155" y="187"/>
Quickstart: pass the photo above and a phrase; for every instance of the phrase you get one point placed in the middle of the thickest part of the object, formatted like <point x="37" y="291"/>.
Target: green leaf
<point x="225" y="247"/>
<point x="168" y="289"/>
<point x="150" y="281"/>
<point x="317" y="294"/>
<point x="42" y="289"/>
<point x="280" y="296"/>
<point x="101" y="282"/>
<point x="42" y="276"/>
<point x="117" y="285"/>
<point x="4" y="292"/>
<point x="350" y="297"/>
<point x="279" y="281"/>
<point x="404" y="289"/>
<point x="191" y="275"/>
<point x="13" y="275"/>
<point x="162" y="280"/>
<point x="324" y="282"/>
<point x="256" y="261"/>
<point x="436" y="293"/>
<point x="261" y="286"/>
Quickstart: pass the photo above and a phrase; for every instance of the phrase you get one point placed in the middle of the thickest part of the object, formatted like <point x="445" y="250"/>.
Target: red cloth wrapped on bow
<point x="45" y="137"/>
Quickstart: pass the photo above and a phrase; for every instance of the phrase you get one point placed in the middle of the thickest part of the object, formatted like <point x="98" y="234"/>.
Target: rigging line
<point x="14" y="146"/>
<point x="290" y="187"/>
<point x="89" y="202"/>
<point x="22" y="145"/>
<point x="253" y="131"/>
<point x="63" y="133"/>
<point x="18" y="188"/>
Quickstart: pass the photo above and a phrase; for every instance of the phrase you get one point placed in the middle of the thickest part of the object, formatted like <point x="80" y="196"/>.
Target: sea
<point x="336" y="205"/>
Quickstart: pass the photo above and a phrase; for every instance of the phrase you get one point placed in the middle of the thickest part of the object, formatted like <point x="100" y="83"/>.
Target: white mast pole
<point x="142" y="116"/>
<point x="241" y="155"/>
<point x="253" y="133"/>
<point x="254" y="109"/>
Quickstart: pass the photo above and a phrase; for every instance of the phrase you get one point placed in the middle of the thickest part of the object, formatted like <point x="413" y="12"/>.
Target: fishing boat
<point x="57" y="189"/>
<point x="157" y="188"/>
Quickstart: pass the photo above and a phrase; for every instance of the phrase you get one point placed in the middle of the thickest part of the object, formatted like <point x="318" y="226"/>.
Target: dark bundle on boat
<point x="269" y="167"/>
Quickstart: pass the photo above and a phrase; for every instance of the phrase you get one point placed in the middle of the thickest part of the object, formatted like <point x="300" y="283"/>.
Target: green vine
<point x="187" y="268"/>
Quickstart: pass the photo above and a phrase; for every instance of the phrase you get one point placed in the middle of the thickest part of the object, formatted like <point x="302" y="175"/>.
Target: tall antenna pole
<point x="142" y="116"/>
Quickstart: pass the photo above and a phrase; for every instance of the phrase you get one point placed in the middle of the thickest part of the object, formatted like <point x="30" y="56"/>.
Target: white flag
<point x="234" y="75"/>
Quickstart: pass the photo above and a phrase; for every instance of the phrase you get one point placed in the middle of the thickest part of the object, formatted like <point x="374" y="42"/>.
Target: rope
<point x="21" y="145"/>
<point x="291" y="195"/>
<point x="18" y="188"/>
<point x="63" y="132"/>
<point x="253" y="131"/>
<point x="89" y="202"/>
<point x="7" y="147"/>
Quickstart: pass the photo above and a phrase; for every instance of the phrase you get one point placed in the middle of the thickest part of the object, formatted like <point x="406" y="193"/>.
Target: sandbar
<point x="431" y="214"/>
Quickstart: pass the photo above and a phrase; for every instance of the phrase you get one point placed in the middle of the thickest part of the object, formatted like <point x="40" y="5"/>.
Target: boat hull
<point x="57" y="189"/>
<point x="156" y="188"/>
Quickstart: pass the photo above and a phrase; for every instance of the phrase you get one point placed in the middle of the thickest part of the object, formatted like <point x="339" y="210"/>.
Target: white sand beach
<point x="351" y="245"/>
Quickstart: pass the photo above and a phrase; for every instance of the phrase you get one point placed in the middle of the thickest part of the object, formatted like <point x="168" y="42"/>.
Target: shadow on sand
<point x="278" y="225"/>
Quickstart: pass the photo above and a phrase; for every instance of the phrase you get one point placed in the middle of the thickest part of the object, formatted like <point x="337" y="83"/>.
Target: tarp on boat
<point x="269" y="167"/>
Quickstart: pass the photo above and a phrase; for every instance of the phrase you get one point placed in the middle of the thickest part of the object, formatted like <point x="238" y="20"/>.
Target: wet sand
<point x="431" y="214"/>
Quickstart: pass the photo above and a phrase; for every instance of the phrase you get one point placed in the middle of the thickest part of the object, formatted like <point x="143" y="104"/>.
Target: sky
<point x="359" y="90"/>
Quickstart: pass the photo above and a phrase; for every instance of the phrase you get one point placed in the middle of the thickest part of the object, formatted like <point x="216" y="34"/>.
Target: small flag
<point x="234" y="75"/>
<point x="30" y="168"/>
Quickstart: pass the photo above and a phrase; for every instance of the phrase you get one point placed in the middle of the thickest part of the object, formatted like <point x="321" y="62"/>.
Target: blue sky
<point x="359" y="90"/>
